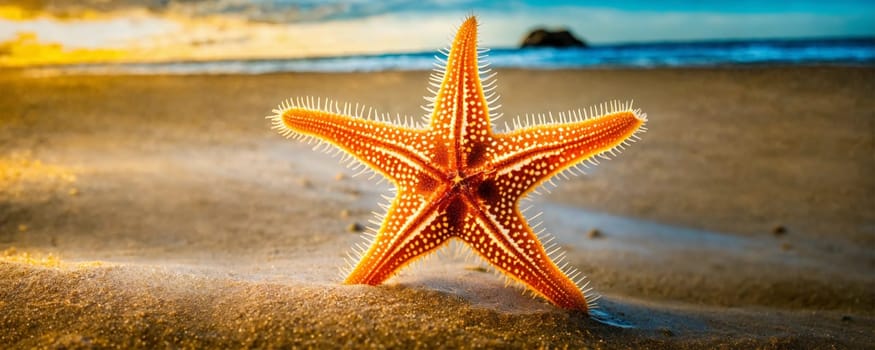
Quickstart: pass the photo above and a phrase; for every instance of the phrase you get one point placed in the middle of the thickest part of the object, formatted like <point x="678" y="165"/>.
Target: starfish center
<point x="457" y="179"/>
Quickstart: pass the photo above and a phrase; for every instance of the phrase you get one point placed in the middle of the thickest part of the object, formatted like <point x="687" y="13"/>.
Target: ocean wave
<point x="849" y="51"/>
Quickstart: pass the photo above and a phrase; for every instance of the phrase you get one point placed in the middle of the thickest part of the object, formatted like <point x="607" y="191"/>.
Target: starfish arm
<point x="460" y="116"/>
<point x="501" y="236"/>
<point x="458" y="179"/>
<point x="535" y="154"/>
<point x="383" y="147"/>
<point x="413" y="226"/>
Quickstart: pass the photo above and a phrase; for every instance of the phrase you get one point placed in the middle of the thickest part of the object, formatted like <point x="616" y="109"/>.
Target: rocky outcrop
<point x="545" y="38"/>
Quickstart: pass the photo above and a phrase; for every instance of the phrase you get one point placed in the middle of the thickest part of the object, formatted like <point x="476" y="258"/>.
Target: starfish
<point x="458" y="179"/>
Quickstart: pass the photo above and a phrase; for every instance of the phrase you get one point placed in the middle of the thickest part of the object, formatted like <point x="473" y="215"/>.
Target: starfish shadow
<point x="490" y="293"/>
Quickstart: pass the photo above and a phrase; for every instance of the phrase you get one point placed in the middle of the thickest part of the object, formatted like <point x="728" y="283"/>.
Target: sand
<point x="161" y="211"/>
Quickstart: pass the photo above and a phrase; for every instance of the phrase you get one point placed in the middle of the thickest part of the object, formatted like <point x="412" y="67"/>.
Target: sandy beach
<point x="162" y="211"/>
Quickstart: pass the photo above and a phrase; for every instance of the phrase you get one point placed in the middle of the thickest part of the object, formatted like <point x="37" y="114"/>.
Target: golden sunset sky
<point x="51" y="32"/>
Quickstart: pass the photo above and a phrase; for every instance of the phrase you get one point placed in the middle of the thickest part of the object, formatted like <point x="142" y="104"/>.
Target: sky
<point x="46" y="31"/>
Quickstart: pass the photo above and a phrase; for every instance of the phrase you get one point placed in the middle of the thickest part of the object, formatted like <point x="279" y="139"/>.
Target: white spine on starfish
<point x="547" y="246"/>
<point x="314" y="104"/>
<point x="367" y="238"/>
<point x="488" y="85"/>
<point x="318" y="104"/>
<point x="488" y="82"/>
<point x="533" y="120"/>
<point x="435" y="79"/>
<point x="555" y="252"/>
<point x="520" y="165"/>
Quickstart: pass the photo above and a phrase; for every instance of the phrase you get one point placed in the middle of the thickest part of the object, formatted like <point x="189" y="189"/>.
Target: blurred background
<point x="352" y="35"/>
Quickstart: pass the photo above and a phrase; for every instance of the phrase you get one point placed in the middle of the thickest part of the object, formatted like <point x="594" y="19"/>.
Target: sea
<point x="835" y="52"/>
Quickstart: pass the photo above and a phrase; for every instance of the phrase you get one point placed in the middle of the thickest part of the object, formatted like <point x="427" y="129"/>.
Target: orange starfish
<point x="456" y="178"/>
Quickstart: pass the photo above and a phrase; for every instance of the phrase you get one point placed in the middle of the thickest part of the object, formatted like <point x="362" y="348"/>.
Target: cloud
<point x="27" y="50"/>
<point x="603" y="25"/>
<point x="622" y="21"/>
<point x="240" y="29"/>
<point x="95" y="33"/>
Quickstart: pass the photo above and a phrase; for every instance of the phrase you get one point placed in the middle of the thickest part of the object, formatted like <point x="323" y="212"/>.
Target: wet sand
<point x="153" y="211"/>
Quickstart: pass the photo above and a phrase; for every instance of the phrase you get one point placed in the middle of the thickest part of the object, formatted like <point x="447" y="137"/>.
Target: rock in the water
<point x="545" y="38"/>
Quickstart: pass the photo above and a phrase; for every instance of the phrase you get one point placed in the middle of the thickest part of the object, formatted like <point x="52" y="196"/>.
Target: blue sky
<point x="175" y="29"/>
<point x="624" y="21"/>
<point x="741" y="6"/>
